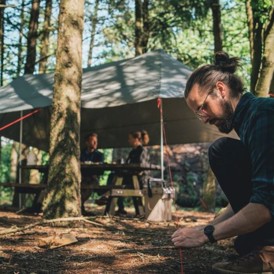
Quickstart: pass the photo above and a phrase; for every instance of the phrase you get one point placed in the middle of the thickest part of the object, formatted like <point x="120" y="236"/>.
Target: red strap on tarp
<point x="19" y="119"/>
<point x="159" y="104"/>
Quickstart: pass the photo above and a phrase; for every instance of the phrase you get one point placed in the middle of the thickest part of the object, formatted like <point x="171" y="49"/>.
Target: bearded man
<point x="244" y="168"/>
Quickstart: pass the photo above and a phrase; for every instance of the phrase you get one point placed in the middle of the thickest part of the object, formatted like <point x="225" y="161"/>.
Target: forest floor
<point x="104" y="245"/>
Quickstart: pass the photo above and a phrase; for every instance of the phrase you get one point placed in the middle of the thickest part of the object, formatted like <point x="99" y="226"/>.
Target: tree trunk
<point x="217" y="29"/>
<point x="257" y="56"/>
<point x="94" y="21"/>
<point x="32" y="37"/>
<point x="249" y="15"/>
<point x="44" y="54"/>
<point x="29" y="69"/>
<point x="20" y="47"/>
<point x="2" y="2"/>
<point x="255" y="27"/>
<point x="63" y="196"/>
<point x="141" y="26"/>
<point x="45" y="38"/>
<point x="145" y="35"/>
<point x="138" y="28"/>
<point x="267" y="68"/>
<point x="271" y="92"/>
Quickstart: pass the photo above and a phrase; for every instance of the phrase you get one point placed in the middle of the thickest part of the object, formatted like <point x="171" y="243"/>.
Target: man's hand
<point x="189" y="237"/>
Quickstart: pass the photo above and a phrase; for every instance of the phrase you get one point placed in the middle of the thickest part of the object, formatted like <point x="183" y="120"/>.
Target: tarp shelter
<point x="116" y="98"/>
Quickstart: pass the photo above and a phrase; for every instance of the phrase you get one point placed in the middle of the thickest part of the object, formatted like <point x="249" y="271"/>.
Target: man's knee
<point x="224" y="147"/>
<point x="217" y="149"/>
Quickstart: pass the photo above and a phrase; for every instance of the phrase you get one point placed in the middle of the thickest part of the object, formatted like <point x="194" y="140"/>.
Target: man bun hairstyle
<point x="141" y="135"/>
<point x="226" y="64"/>
<point x="223" y="70"/>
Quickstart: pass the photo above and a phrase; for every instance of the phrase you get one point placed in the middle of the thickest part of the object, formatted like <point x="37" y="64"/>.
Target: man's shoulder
<point x="83" y="152"/>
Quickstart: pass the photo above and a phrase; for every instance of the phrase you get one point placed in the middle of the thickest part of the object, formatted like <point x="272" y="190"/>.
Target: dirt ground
<point x="105" y="245"/>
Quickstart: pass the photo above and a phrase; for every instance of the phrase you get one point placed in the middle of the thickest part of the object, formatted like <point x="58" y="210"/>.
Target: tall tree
<point x="146" y="25"/>
<point x="260" y="22"/>
<point x="141" y="26"/>
<point x="63" y="197"/>
<point x="44" y="54"/>
<point x="138" y="28"/>
<point x="20" y="46"/>
<point x="263" y="86"/>
<point x="2" y="6"/>
<point x="94" y="21"/>
<point x="32" y="37"/>
<point x="217" y="29"/>
<point x="29" y="69"/>
<point x="271" y="91"/>
<point x="2" y="2"/>
<point x="43" y="62"/>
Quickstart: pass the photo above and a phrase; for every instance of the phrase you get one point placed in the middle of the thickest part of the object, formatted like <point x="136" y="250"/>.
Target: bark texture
<point x="63" y="197"/>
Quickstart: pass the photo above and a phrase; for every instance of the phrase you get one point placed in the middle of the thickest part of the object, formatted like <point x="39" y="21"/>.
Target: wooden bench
<point x="36" y="188"/>
<point x="25" y="188"/>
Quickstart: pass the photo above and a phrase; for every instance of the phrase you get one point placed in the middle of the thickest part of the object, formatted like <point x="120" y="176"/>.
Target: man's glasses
<point x="200" y="112"/>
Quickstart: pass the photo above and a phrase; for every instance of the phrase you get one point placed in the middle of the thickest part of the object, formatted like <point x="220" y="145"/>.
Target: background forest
<point x="190" y="31"/>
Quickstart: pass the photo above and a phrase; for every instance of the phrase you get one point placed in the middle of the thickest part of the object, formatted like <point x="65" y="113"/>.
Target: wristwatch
<point x="208" y="231"/>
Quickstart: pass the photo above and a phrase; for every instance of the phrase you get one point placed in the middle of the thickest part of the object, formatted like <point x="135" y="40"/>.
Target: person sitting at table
<point x="90" y="154"/>
<point x="138" y="155"/>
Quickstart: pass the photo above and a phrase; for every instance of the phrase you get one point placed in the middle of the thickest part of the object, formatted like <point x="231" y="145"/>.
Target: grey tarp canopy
<point x="116" y="98"/>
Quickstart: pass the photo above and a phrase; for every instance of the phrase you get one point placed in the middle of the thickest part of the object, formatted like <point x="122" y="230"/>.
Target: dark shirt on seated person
<point x="94" y="157"/>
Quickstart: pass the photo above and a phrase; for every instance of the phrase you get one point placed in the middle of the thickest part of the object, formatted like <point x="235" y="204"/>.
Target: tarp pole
<point x="20" y="155"/>
<point x="162" y="148"/>
<point x="160" y="107"/>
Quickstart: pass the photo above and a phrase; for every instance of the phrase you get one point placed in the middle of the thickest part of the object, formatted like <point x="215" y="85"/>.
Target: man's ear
<point x="222" y="89"/>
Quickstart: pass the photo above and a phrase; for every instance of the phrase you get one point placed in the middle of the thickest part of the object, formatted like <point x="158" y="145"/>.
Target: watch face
<point x="209" y="229"/>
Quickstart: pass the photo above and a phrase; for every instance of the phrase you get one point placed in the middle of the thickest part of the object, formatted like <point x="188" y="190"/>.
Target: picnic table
<point x="115" y="189"/>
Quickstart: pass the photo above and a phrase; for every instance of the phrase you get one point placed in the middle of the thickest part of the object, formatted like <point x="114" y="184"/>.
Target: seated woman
<point x="138" y="155"/>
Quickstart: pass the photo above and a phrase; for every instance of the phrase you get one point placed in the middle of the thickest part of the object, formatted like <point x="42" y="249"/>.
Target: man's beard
<point x="224" y="124"/>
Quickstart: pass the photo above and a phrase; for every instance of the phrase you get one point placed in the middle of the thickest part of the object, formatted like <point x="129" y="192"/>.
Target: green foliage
<point x="118" y="32"/>
<point x="5" y="161"/>
<point x="5" y="192"/>
<point x="167" y="16"/>
<point x="166" y="20"/>
<point x="183" y="29"/>
<point x="45" y="158"/>
<point x="108" y="159"/>
<point x="188" y="193"/>
<point x="194" y="46"/>
<point x="235" y="37"/>
<point x="261" y="10"/>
